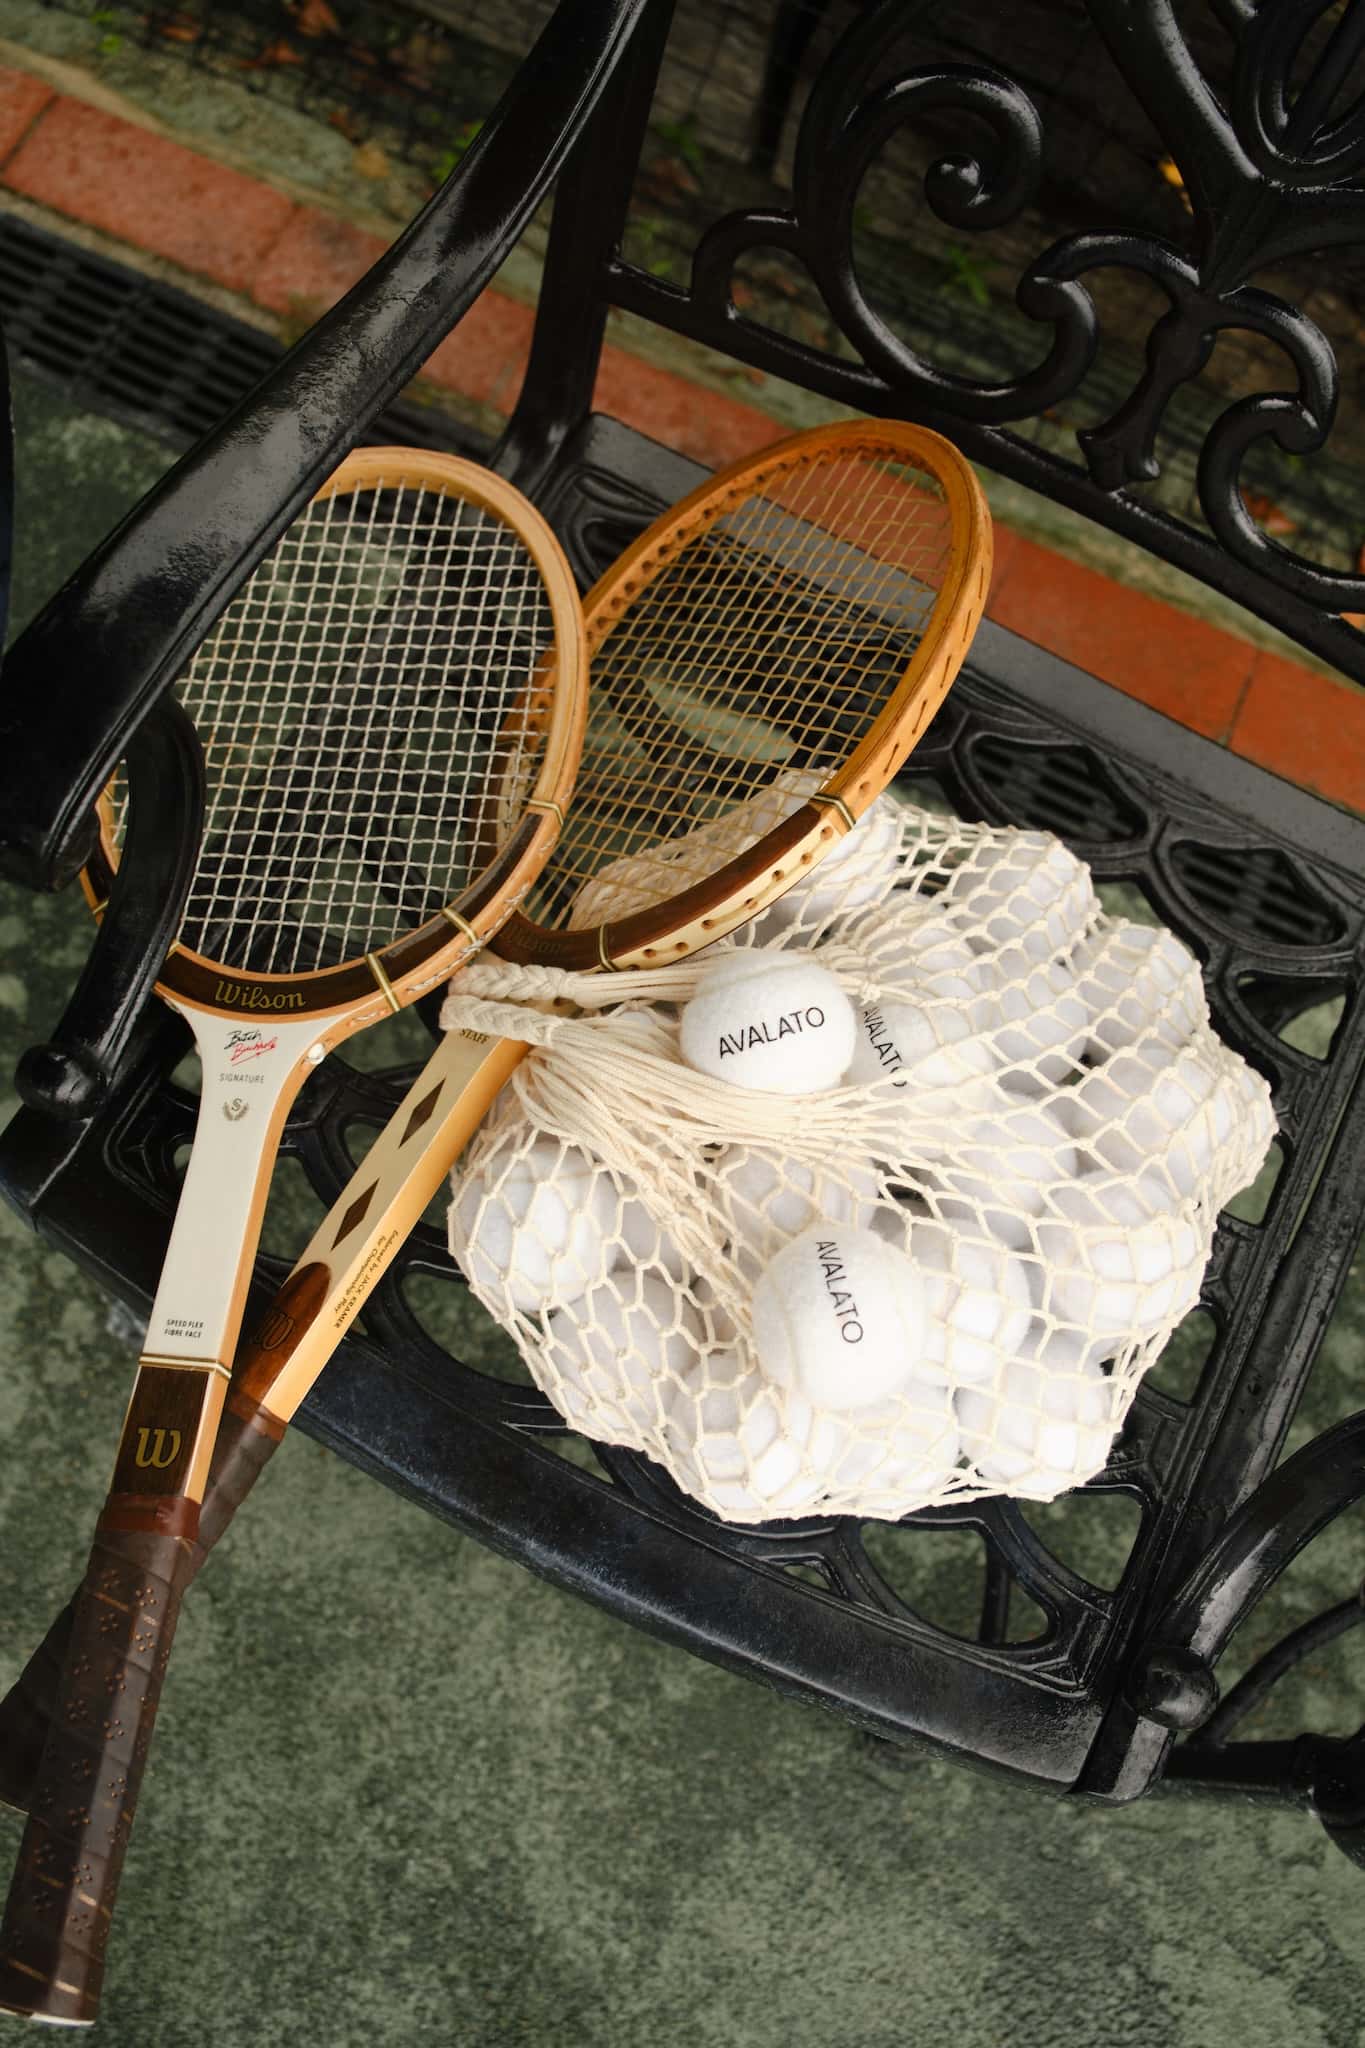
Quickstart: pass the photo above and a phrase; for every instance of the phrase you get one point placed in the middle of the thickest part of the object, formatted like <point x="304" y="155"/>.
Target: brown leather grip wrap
<point x="246" y="1438"/>
<point x="57" y="1917"/>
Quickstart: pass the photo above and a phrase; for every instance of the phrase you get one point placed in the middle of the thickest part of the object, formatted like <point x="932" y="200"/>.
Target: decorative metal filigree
<point x="1267" y="169"/>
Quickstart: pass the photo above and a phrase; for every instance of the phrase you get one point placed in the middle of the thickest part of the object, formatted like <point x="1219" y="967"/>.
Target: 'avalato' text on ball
<point x="791" y="1025"/>
<point x="881" y="1042"/>
<point x="840" y="1300"/>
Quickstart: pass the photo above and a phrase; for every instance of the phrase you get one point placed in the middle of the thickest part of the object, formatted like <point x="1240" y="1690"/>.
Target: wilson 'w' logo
<point x="157" y="1448"/>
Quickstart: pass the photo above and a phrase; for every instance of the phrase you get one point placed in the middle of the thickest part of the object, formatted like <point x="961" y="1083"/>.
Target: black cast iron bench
<point x="1114" y="1689"/>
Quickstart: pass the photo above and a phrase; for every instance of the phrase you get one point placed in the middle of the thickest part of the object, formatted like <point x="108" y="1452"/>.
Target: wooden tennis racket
<point x="391" y="711"/>
<point x="803" y="612"/>
<point x="806" y="610"/>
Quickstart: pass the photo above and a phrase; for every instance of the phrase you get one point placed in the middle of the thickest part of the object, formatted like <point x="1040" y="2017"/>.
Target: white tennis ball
<point x="532" y="1222"/>
<point x="608" y="1359"/>
<point x="1001" y="1168"/>
<point x="1138" y="981"/>
<point x="1033" y="1019"/>
<point x="891" y="1458"/>
<point x="1122" y="1263"/>
<point x="1214" y="1141"/>
<point x="838" y="1315"/>
<point x="1221" y="1152"/>
<point x="773" y="1021"/>
<point x="1021" y="889"/>
<point x="922" y="1044"/>
<point x="927" y="957"/>
<point x="977" y="1300"/>
<point x="859" y="869"/>
<point x="732" y="1445"/>
<point x="720" y="1332"/>
<point x="1038" y="1431"/>
<point x="634" y="881"/>
<point x="1147" y="1104"/>
<point x="766" y="1198"/>
<point x="891" y="1217"/>
<point x="1060" y="1350"/>
<point x="642" y="1241"/>
<point x="756" y="1451"/>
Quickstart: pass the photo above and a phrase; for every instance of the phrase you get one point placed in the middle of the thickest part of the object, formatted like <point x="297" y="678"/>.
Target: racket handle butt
<point x="60" y="1906"/>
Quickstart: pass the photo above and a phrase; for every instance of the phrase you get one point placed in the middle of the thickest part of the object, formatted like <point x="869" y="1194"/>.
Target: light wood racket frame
<point x="433" y="951"/>
<point x="748" y="884"/>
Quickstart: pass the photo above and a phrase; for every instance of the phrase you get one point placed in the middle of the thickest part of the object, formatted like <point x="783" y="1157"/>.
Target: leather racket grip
<point x="61" y="1900"/>
<point x="246" y="1438"/>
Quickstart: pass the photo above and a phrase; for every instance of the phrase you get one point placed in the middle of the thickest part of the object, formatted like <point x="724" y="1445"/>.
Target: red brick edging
<point x="146" y="190"/>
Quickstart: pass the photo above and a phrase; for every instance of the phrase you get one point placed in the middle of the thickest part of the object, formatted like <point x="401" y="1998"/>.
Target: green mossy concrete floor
<point x="406" y="1794"/>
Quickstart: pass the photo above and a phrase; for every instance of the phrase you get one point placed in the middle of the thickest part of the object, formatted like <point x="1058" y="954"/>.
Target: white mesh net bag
<point x="949" y="1185"/>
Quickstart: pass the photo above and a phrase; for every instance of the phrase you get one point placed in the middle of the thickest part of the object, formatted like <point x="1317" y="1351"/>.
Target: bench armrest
<point x="88" y="668"/>
<point x="71" y="1074"/>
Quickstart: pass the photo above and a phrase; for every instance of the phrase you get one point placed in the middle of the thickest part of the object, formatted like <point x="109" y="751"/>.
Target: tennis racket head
<point x="763" y="660"/>
<point x="391" y="710"/>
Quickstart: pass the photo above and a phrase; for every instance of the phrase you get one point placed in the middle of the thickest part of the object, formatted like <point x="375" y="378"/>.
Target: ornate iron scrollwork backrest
<point x="1268" y="171"/>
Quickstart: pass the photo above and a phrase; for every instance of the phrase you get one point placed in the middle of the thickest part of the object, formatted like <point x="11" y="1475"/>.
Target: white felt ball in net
<point x="764" y="1199"/>
<point x="620" y="1349"/>
<point x="1010" y="1189"/>
<point x="1041" y="1425"/>
<point x="1034" y="1018"/>
<point x="535" y="1221"/>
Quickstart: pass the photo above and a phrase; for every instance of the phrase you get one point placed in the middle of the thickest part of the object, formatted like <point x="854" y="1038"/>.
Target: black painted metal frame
<point x="92" y="663"/>
<point x="1265" y="882"/>
<point x="1270" y="174"/>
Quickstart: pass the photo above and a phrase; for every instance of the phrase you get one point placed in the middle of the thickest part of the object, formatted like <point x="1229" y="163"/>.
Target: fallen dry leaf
<point x="371" y="162"/>
<point x="1272" y="518"/>
<point x="278" y="52"/>
<point x="419" y="59"/>
<point x="667" y="178"/>
<point x="315" y="18"/>
<point x="1170" y="171"/>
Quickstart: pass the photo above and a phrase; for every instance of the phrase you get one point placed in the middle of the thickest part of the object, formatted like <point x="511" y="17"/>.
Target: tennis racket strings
<point x="351" y="703"/>
<point x="749" y="667"/>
